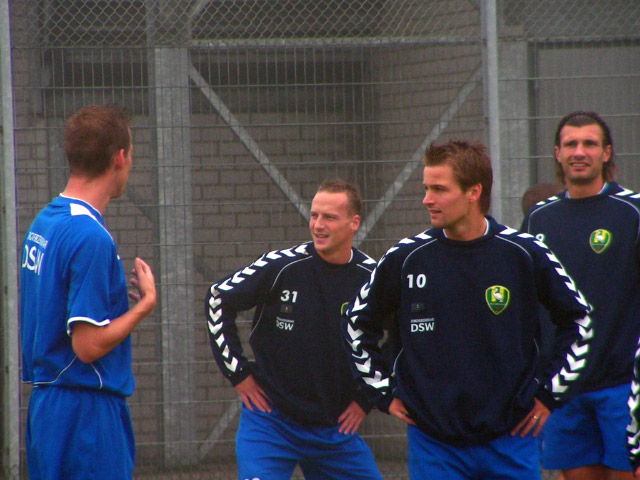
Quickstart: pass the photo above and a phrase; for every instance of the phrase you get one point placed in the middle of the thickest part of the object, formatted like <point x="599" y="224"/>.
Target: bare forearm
<point x="91" y="342"/>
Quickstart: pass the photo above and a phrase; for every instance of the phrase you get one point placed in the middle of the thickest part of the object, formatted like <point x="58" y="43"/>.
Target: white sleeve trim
<point x="97" y="323"/>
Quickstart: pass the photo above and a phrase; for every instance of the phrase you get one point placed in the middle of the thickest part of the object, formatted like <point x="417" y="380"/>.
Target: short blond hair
<point x="337" y="185"/>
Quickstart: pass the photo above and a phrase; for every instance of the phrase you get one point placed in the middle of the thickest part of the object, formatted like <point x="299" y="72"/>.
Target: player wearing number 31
<point x="465" y="296"/>
<point x="300" y="402"/>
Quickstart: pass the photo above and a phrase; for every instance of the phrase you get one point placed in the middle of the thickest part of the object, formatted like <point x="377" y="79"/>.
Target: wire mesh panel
<point x="241" y="108"/>
<point x="559" y="57"/>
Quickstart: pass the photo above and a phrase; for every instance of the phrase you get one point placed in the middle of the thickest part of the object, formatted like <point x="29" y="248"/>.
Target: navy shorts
<point x="589" y="430"/>
<point x="80" y="434"/>
<point x="506" y="457"/>
<point x="269" y="445"/>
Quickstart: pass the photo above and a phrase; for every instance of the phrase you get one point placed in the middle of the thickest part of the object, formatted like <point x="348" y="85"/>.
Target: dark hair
<point x="470" y="163"/>
<point x="337" y="185"/>
<point x="581" y="119"/>
<point x="538" y="192"/>
<point x="93" y="135"/>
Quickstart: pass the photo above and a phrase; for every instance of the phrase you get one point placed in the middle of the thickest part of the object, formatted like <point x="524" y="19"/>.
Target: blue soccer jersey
<point x="71" y="272"/>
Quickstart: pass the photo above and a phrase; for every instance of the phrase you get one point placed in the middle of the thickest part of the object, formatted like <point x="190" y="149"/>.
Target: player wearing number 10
<point x="464" y="295"/>
<point x="300" y="402"/>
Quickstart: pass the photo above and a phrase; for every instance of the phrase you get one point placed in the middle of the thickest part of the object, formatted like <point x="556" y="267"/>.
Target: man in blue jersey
<point x="464" y="295"/>
<point x="300" y="403"/>
<point x="593" y="228"/>
<point x="74" y="314"/>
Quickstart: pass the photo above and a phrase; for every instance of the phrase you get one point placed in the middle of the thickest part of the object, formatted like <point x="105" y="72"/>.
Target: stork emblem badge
<point x="497" y="298"/>
<point x="600" y="240"/>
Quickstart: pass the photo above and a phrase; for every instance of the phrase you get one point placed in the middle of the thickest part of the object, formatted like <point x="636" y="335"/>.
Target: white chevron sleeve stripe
<point x="364" y="367"/>
<point x="364" y="355"/>
<point x="557" y="387"/>
<point x="273" y="255"/>
<point x="579" y="351"/>
<point x="357" y="306"/>
<point x="576" y="362"/>
<point x="215" y="316"/>
<point x="214" y="301"/>
<point x="570" y="377"/>
<point x="237" y="278"/>
<point x="259" y="262"/>
<point x="214" y="328"/>
<point x="354" y="333"/>
<point x="232" y="365"/>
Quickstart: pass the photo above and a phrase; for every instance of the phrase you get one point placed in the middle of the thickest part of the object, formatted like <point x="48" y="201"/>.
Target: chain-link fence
<point x="240" y="108"/>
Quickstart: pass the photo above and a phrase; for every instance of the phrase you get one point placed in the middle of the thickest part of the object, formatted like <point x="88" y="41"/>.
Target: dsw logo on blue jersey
<point x="600" y="240"/>
<point x="498" y="298"/>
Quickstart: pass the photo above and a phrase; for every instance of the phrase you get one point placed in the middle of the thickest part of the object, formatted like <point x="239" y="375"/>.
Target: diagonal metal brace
<point x="416" y="158"/>
<point x="247" y="140"/>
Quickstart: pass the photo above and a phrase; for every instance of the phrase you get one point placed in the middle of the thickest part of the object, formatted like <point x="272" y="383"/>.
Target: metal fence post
<point x="491" y="100"/>
<point x="10" y="372"/>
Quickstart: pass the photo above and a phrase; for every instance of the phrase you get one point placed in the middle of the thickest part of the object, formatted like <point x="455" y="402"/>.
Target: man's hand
<point x="537" y="417"/>
<point x="91" y="342"/>
<point x="351" y="418"/>
<point x="397" y="409"/>
<point x="144" y="284"/>
<point x="253" y="395"/>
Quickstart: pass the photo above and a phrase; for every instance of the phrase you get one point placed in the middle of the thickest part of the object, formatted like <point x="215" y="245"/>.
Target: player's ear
<point x="475" y="192"/>
<point x="119" y="159"/>
<point x="607" y="153"/>
<point x="355" y="223"/>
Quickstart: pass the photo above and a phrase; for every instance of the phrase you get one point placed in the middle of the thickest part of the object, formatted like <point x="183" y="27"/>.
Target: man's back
<point x="71" y="272"/>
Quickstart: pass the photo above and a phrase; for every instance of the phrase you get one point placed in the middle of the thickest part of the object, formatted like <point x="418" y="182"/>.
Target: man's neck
<point x="338" y="258"/>
<point x="585" y="190"/>
<point x="92" y="191"/>
<point x="476" y="227"/>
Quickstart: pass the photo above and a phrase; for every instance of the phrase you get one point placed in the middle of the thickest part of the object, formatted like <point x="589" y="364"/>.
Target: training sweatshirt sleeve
<point x="633" y="429"/>
<point x="363" y="327"/>
<point x="237" y="292"/>
<point x="569" y="311"/>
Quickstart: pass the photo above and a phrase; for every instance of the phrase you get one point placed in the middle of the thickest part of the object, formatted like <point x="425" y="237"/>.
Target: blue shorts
<point x="505" y="458"/>
<point x="589" y="430"/>
<point x="79" y="434"/>
<point x="269" y="445"/>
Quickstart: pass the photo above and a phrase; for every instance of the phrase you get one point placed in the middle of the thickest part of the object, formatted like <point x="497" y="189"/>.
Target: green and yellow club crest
<point x="497" y="298"/>
<point x="343" y="307"/>
<point x="600" y="240"/>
